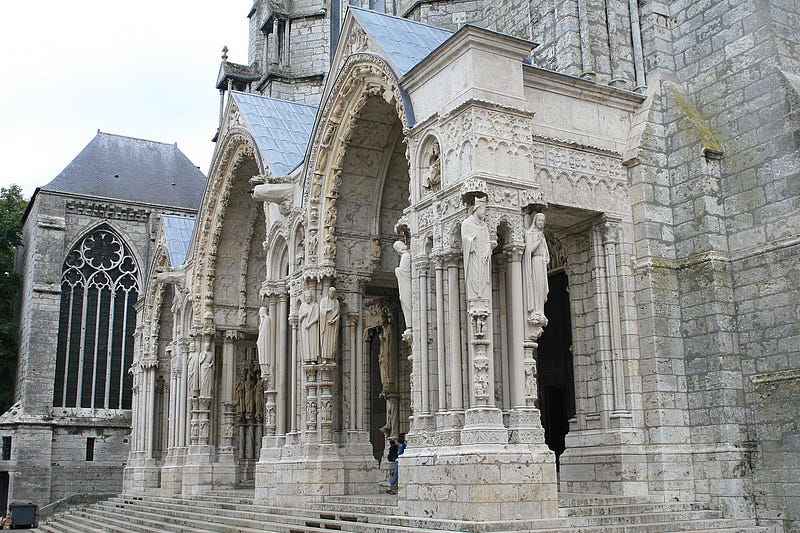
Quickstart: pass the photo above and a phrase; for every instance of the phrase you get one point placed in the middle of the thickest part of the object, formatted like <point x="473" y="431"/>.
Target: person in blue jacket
<point x="396" y="449"/>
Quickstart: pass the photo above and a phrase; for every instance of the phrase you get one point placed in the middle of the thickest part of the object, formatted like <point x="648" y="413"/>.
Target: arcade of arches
<point x="299" y="335"/>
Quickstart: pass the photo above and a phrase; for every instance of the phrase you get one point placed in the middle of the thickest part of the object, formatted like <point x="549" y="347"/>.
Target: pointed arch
<point x="100" y="283"/>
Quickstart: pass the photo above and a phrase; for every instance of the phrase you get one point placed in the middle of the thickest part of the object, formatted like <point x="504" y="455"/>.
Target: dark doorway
<point x="4" y="492"/>
<point x="554" y="363"/>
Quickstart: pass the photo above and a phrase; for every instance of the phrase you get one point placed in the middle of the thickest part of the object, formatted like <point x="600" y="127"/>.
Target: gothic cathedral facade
<point x="553" y="241"/>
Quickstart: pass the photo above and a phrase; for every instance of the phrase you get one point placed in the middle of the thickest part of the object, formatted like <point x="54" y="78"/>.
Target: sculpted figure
<point x="433" y="176"/>
<point x="309" y="328"/>
<point x="206" y="370"/>
<point x="329" y="317"/>
<point x="241" y="402"/>
<point x="249" y="394"/>
<point x="259" y="398"/>
<point x="386" y="356"/>
<point x="534" y="268"/>
<point x="192" y="373"/>
<point x="263" y="341"/>
<point x="403" y="274"/>
<point x="477" y="250"/>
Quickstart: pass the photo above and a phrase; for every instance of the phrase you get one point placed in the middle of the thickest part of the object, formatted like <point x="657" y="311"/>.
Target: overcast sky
<point x="144" y="69"/>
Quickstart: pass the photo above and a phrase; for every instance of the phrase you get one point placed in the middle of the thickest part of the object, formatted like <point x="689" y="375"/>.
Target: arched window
<point x="99" y="288"/>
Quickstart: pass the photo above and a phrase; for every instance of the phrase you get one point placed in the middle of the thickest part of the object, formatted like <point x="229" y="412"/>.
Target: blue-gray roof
<point x="404" y="42"/>
<point x="281" y="129"/>
<point x="177" y="236"/>
<point x="135" y="170"/>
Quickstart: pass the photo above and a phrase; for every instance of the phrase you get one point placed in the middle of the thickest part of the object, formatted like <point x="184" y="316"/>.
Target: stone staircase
<point x="235" y="512"/>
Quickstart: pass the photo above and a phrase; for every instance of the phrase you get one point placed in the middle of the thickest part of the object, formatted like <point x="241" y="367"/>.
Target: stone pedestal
<point x="303" y="474"/>
<point x="198" y="470"/>
<point x="479" y="482"/>
<point x="141" y="473"/>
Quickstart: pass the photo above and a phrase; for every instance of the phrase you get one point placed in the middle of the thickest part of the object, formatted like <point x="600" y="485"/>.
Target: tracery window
<point x="99" y="287"/>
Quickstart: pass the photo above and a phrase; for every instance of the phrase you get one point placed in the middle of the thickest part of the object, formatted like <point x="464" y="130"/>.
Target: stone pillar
<point x="355" y="371"/>
<point x="517" y="326"/>
<point x="183" y="399"/>
<point x="422" y="337"/>
<point x="271" y="380"/>
<point x="228" y="376"/>
<point x="441" y="361"/>
<point x="311" y="403"/>
<point x="454" y="345"/>
<point x="325" y="401"/>
<point x="281" y="369"/>
<point x="610" y="231"/>
<point x="293" y="382"/>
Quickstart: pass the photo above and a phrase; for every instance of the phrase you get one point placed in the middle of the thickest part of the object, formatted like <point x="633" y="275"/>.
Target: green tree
<point x="12" y="207"/>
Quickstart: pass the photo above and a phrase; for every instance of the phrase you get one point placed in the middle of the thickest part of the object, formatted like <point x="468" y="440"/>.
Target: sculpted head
<point x="539" y="220"/>
<point x="479" y="208"/>
<point x="307" y="297"/>
<point x="331" y="292"/>
<point x="400" y="247"/>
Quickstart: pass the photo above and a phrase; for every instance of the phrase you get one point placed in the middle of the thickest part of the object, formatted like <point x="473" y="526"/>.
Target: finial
<point x="224" y="53"/>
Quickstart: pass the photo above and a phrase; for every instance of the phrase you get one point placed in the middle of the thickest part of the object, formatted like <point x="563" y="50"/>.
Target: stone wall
<point x="736" y="226"/>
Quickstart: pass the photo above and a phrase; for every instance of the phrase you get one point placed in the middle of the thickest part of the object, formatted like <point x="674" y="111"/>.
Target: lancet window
<point x="99" y="287"/>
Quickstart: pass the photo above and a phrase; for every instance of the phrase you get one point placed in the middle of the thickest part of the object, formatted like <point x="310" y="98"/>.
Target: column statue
<point x="308" y="313"/>
<point x="534" y="269"/>
<point x="329" y="324"/>
<point x="192" y="373"/>
<point x="206" y="370"/>
<point x="249" y="394"/>
<point x="403" y="274"/>
<point x="263" y="342"/>
<point x="241" y="402"/>
<point x="477" y="250"/>
<point x="386" y="356"/>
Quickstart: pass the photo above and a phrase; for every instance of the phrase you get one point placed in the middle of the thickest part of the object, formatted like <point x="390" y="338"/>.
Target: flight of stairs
<point x="234" y="512"/>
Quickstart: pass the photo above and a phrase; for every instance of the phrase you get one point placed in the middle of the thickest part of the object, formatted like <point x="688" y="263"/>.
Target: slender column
<point x="612" y="23"/>
<point x="151" y="407"/>
<point x="441" y="361"/>
<point x="271" y="381"/>
<point x="311" y="403"/>
<point x="454" y="313"/>
<point x="293" y="386"/>
<point x="517" y="337"/>
<point x="359" y="367"/>
<point x="587" y="61"/>
<point x="183" y="399"/>
<point x="424" y="382"/>
<point x="610" y="236"/>
<point x="280" y="363"/>
<point x="228" y="376"/>
<point x="636" y="37"/>
<point x="275" y="41"/>
<point x="503" y="304"/>
<point x="352" y="326"/>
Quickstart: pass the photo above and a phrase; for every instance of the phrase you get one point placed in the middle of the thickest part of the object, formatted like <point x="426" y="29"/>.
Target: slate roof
<point x="404" y="42"/>
<point x="135" y="170"/>
<point x="177" y="236"/>
<point x="281" y="129"/>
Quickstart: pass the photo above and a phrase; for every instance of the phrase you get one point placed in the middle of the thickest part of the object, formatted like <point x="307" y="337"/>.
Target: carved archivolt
<point x="236" y="149"/>
<point x="362" y="76"/>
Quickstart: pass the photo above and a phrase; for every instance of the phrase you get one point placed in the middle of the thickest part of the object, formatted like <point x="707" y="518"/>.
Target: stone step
<point x="633" y="508"/>
<point x="255" y="519"/>
<point x="331" y="515"/>
<point x="235" y="512"/>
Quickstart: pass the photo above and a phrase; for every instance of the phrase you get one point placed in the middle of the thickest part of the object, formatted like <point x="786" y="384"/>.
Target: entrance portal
<point x="556" y="384"/>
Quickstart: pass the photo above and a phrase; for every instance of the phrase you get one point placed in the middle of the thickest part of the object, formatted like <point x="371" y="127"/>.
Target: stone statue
<point x="392" y="426"/>
<point x="386" y="356"/>
<point x="433" y="176"/>
<point x="309" y="328"/>
<point x="403" y="274"/>
<point x="249" y="394"/>
<point x="241" y="402"/>
<point x="477" y="250"/>
<point x="259" y="398"/>
<point x="192" y="372"/>
<point x="534" y="269"/>
<point x="263" y="342"/>
<point x="329" y="324"/>
<point x="206" y="370"/>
